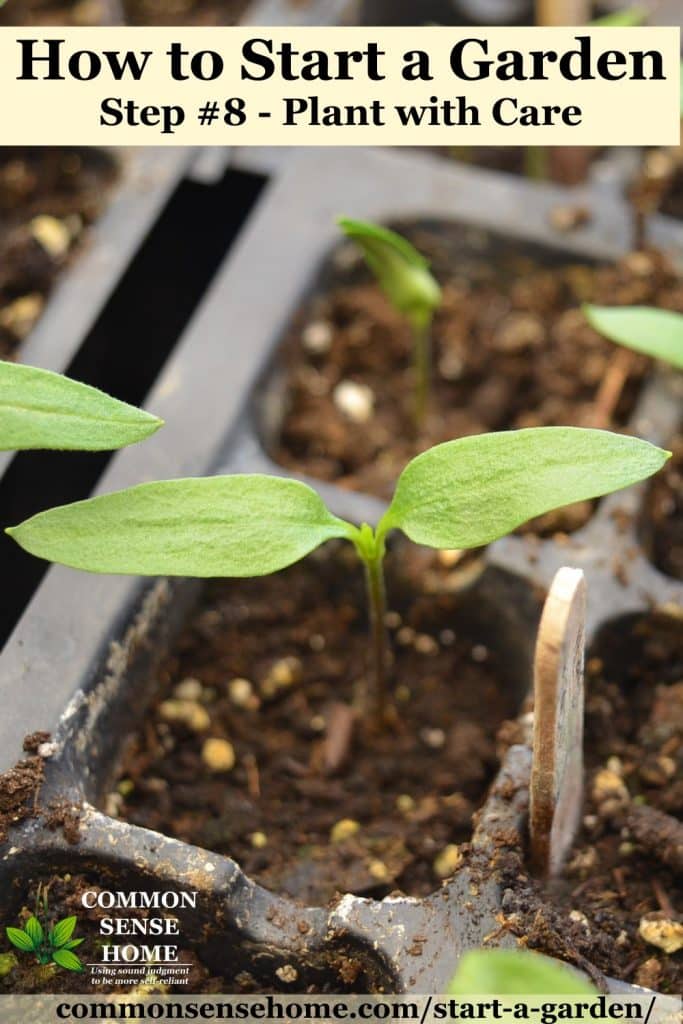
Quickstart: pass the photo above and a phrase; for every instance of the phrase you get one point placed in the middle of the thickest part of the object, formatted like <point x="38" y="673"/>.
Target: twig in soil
<point x="253" y="776"/>
<point x="613" y="383"/>
<point x="618" y="875"/>
<point x="340" y="723"/>
<point x="665" y="903"/>
<point x="658" y="833"/>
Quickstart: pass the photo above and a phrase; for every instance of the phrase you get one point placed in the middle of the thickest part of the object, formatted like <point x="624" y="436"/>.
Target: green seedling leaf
<point x="34" y="930"/>
<point x="66" y="959"/>
<point x="41" y="409"/>
<point x="62" y="932"/>
<point x="629" y="16"/>
<point x="469" y="492"/>
<point x="242" y="525"/>
<point x="654" y="332"/>
<point x="72" y="944"/>
<point x="20" y="939"/>
<point x="402" y="272"/>
<point x="509" y="972"/>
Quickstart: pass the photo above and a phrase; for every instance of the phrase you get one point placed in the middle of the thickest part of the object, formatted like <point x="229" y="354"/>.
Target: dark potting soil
<point x="269" y="673"/>
<point x="672" y="204"/>
<point x="566" y="166"/>
<point x="511" y="349"/>
<point x="48" y="196"/>
<point x="20" y="786"/>
<point x="664" y="514"/>
<point x="618" y="889"/>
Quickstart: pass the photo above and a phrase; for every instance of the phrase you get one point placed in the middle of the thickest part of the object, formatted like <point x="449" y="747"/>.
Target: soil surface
<point x="48" y="197"/>
<point x="270" y="673"/>
<point x="511" y="349"/>
<point x="20" y="786"/>
<point x="564" y="165"/>
<point x="664" y="525"/>
<point x="624" y="878"/>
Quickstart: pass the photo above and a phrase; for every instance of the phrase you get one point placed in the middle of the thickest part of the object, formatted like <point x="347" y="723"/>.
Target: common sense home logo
<point x="51" y="942"/>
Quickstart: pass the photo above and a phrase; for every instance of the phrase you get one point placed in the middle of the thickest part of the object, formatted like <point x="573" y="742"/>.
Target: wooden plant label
<point x="557" y="767"/>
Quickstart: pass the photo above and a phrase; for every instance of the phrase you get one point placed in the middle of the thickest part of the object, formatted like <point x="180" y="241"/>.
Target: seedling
<point x="653" y="332"/>
<point x="461" y="494"/>
<point x="50" y="943"/>
<point x="41" y="409"/>
<point x="501" y="972"/>
<point x="404" y="275"/>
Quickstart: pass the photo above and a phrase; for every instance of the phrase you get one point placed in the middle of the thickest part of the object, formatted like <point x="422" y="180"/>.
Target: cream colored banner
<point x="340" y="86"/>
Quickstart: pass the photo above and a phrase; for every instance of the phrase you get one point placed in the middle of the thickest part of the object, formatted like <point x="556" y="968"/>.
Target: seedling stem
<point x="422" y="348"/>
<point x="371" y="549"/>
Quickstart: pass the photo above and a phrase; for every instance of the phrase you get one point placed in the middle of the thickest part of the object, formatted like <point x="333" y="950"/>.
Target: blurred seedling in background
<point x="404" y="276"/>
<point x="502" y="972"/>
<point x="657" y="333"/>
<point x="461" y="494"/>
<point x="40" y="409"/>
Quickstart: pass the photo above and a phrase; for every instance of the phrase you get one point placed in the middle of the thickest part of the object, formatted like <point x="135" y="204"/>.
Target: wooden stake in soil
<point x="557" y="767"/>
<point x="563" y="12"/>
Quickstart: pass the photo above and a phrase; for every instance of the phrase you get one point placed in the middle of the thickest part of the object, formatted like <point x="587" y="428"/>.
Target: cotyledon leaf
<point x="402" y="272"/>
<point x="654" y="332"/>
<point x="469" y="492"/>
<point x="41" y="409"/>
<point x="241" y="525"/>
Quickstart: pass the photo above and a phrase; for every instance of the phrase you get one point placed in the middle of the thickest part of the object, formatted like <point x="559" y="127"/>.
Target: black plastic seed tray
<point x="81" y="661"/>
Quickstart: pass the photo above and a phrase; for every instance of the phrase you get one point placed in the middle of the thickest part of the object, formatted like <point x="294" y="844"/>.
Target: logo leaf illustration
<point x="62" y="932"/>
<point x="72" y="943"/>
<point x="66" y="959"/>
<point x="34" y="930"/>
<point x="20" y="939"/>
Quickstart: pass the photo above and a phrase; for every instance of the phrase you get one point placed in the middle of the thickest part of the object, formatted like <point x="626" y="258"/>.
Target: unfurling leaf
<point x="66" y="959"/>
<point x="242" y="525"/>
<point x="654" y="332"/>
<point x="41" y="409"/>
<point x="469" y="492"/>
<point x="20" y="939"/>
<point x="504" y="972"/>
<point x="402" y="272"/>
<point x="62" y="931"/>
<point x="34" y="930"/>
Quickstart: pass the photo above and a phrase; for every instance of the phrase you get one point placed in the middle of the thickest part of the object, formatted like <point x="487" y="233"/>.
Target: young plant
<point x="41" y="409"/>
<point x="653" y="332"/>
<point x="461" y="494"/>
<point x="502" y="972"/>
<point x="50" y="943"/>
<point x="404" y="276"/>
